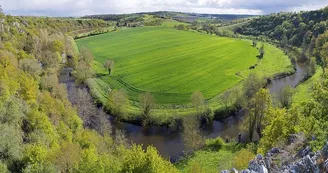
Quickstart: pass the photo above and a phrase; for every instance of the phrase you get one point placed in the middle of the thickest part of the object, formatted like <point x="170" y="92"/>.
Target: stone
<point x="245" y="171"/>
<point x="304" y="152"/>
<point x="259" y="157"/>
<point x="306" y="164"/>
<point x="233" y="170"/>
<point x="225" y="171"/>
<point x="326" y="165"/>
<point x="263" y="169"/>
<point x="268" y="162"/>
<point x="275" y="150"/>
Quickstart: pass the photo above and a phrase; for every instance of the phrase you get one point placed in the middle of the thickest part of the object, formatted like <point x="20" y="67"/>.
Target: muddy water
<point x="170" y="144"/>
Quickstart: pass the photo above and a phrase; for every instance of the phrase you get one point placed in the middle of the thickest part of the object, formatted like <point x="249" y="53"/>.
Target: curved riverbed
<point x="170" y="144"/>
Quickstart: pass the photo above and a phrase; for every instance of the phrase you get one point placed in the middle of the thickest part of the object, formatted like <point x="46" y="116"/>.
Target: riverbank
<point x="169" y="143"/>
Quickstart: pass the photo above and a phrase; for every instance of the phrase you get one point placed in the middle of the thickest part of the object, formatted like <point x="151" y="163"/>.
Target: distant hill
<point x="180" y="16"/>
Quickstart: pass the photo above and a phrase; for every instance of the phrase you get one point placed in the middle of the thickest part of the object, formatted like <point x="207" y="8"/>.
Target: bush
<point x="242" y="158"/>
<point x="214" y="144"/>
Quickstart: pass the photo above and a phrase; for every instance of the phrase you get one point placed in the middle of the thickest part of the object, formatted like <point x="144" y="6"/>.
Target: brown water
<point x="170" y="144"/>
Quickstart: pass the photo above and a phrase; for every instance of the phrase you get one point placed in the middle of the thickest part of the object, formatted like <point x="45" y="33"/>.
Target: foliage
<point x="214" y="144"/>
<point x="40" y="129"/>
<point x="118" y="103"/>
<point x="289" y="27"/>
<point x="191" y="135"/>
<point x="136" y="160"/>
<point x="209" y="161"/>
<point x="147" y="103"/>
<point x="285" y="96"/>
<point x="242" y="158"/>
<point x="258" y="106"/>
<point x="198" y="101"/>
<point x="109" y="65"/>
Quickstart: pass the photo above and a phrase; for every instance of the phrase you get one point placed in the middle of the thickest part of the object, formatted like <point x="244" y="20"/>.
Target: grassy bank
<point x="303" y="91"/>
<point x="229" y="155"/>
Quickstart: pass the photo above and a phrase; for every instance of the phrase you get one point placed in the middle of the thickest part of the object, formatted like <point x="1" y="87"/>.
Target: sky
<point x="88" y="7"/>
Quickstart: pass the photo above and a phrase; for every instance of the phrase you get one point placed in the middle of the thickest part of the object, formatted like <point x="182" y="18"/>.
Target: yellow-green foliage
<point x="40" y="130"/>
<point x="242" y="158"/>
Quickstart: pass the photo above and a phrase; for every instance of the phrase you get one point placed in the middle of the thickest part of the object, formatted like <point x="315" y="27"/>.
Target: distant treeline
<point x="292" y="28"/>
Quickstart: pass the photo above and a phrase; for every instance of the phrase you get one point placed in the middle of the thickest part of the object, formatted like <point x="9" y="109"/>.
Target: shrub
<point x="242" y="158"/>
<point x="214" y="144"/>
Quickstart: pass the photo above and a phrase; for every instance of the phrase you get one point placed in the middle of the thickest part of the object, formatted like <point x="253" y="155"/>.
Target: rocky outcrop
<point x="306" y="162"/>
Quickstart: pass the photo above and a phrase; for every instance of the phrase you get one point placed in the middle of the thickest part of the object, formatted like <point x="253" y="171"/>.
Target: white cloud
<point x="85" y="7"/>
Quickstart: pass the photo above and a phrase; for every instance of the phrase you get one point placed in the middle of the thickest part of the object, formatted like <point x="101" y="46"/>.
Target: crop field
<point x="172" y="64"/>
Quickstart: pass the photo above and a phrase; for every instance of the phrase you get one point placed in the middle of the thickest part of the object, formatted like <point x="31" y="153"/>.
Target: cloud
<point x="86" y="7"/>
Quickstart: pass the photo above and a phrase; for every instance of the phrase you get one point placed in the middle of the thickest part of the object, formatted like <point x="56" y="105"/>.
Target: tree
<point x="11" y="143"/>
<point x="3" y="168"/>
<point x="198" y="101"/>
<point x="258" y="106"/>
<point x="147" y="103"/>
<point x="232" y="97"/>
<point x="86" y="55"/>
<point x="117" y="103"/>
<point x="30" y="66"/>
<point x="84" y="103"/>
<point x="83" y="71"/>
<point x="284" y="41"/>
<point x="57" y="46"/>
<point x="262" y="51"/>
<point x="191" y="134"/>
<point x="285" y="96"/>
<point x="252" y="84"/>
<point x="104" y="125"/>
<point x="254" y="43"/>
<point x="312" y="66"/>
<point x="277" y="129"/>
<point x="109" y="65"/>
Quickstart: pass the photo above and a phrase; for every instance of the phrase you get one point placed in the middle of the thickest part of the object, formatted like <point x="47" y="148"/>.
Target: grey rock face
<point x="310" y="163"/>
<point x="306" y="164"/>
<point x="304" y="152"/>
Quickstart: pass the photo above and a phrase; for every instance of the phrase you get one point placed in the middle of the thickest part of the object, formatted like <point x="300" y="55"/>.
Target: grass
<point x="274" y="62"/>
<point x="171" y="23"/>
<point x="303" y="91"/>
<point x="209" y="161"/>
<point x="172" y="64"/>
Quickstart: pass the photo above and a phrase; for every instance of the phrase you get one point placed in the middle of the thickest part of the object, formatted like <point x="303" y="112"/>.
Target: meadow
<point x="172" y="64"/>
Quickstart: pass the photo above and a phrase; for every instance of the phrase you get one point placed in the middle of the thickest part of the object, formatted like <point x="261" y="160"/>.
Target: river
<point x="170" y="145"/>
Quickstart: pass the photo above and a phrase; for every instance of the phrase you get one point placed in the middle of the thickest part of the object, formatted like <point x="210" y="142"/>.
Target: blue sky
<point x="87" y="7"/>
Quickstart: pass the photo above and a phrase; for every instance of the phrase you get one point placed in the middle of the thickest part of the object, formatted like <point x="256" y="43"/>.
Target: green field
<point x="172" y="64"/>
